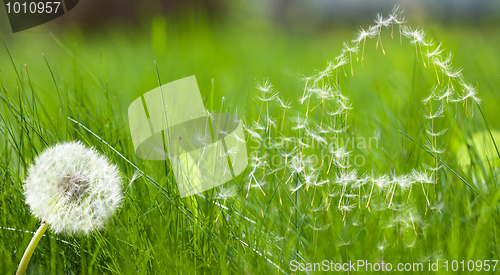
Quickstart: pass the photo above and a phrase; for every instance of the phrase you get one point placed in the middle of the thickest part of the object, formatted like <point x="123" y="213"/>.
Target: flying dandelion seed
<point x="226" y="192"/>
<point x="320" y="228"/>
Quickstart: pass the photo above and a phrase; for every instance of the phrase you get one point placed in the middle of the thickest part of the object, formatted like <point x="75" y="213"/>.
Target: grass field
<point x="293" y="202"/>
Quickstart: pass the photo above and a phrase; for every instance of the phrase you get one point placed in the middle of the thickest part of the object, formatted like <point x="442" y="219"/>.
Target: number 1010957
<point x="32" y="7"/>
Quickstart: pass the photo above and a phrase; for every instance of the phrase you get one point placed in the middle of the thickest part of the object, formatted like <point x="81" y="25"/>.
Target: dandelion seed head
<point x="73" y="188"/>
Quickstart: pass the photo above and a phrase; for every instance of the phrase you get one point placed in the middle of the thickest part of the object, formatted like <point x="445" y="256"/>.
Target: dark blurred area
<point x="94" y="13"/>
<point x="339" y="11"/>
<point x="308" y="15"/>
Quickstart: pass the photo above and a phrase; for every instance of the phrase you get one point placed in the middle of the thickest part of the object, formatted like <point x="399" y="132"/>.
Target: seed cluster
<point x="293" y="162"/>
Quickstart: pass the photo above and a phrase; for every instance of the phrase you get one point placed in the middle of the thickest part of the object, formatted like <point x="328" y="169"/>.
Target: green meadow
<point x="353" y="197"/>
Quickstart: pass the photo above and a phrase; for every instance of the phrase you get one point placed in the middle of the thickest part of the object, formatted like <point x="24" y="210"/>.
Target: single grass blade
<point x="12" y="60"/>
<point x="85" y="68"/>
<point x="444" y="164"/>
<point x="54" y="80"/>
<point x="489" y="130"/>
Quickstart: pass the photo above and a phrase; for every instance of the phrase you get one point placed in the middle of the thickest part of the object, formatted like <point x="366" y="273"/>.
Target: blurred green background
<point x="113" y="46"/>
<point x="234" y="42"/>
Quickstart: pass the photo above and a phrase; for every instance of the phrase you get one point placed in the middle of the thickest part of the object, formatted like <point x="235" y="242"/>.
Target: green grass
<point x="93" y="77"/>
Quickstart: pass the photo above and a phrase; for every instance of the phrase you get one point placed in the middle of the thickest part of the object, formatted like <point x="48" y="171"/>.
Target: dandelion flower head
<point x="73" y="188"/>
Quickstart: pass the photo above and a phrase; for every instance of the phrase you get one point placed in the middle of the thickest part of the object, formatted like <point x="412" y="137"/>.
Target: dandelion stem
<point x="381" y="46"/>
<point x="422" y="55"/>
<point x="369" y="197"/>
<point x="416" y="51"/>
<point x="392" y="196"/>
<point x="31" y="248"/>
<point x="400" y="38"/>
<point x="363" y="52"/>
<point x="426" y="197"/>
<point x="437" y="74"/>
<point x="350" y="59"/>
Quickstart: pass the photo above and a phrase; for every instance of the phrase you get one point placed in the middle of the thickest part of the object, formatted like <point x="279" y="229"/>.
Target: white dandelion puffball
<point x="72" y="188"/>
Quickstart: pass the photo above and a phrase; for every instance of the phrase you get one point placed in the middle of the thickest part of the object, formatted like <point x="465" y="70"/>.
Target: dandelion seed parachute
<point x="73" y="188"/>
